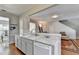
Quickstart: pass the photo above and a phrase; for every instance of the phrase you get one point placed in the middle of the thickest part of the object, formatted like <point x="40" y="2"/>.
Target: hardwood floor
<point x="10" y="50"/>
<point x="67" y="48"/>
<point x="14" y="50"/>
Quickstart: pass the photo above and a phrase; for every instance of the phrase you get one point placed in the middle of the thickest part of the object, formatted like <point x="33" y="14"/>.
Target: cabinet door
<point x="23" y="45"/>
<point x="42" y="49"/>
<point x="19" y="43"/>
<point x="27" y="46"/>
<point x="16" y="41"/>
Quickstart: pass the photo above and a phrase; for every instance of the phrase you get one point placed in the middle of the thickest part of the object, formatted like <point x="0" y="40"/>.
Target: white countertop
<point x="42" y="39"/>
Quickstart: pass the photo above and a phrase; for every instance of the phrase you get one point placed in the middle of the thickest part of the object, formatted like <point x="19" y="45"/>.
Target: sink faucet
<point x="34" y="33"/>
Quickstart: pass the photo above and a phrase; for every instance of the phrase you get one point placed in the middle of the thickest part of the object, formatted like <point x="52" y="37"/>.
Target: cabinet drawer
<point x="29" y="47"/>
<point x="42" y="49"/>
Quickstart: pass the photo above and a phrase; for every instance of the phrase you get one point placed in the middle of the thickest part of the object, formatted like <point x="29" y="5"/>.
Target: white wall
<point x="13" y="19"/>
<point x="24" y="24"/>
<point x="57" y="27"/>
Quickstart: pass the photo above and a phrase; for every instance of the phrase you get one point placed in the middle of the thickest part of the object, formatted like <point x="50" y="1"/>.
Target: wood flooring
<point x="12" y="50"/>
<point x="67" y="48"/>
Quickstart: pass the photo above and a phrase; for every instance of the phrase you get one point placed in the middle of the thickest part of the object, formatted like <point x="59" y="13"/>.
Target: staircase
<point x="71" y="51"/>
<point x="75" y="43"/>
<point x="72" y="25"/>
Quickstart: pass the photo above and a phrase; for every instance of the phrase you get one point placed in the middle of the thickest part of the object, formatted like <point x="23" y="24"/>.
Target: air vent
<point x="2" y="10"/>
<point x="63" y="20"/>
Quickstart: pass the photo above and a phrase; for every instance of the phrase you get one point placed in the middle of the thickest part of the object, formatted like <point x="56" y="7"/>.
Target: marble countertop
<point x="42" y="39"/>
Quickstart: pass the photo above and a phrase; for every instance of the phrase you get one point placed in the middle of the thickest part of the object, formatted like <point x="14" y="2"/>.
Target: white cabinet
<point x="16" y="41"/>
<point x="31" y="47"/>
<point x="23" y="45"/>
<point x="42" y="49"/>
<point x="19" y="43"/>
<point x="27" y="46"/>
<point x="38" y="46"/>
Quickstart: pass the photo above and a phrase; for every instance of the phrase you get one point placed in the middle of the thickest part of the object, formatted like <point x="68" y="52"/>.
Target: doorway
<point x="4" y="33"/>
<point x="32" y="27"/>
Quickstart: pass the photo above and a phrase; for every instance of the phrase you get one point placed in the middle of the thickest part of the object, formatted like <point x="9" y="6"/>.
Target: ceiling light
<point x="54" y="16"/>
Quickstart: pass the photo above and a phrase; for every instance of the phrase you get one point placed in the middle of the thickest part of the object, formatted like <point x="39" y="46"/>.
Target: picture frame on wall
<point x="12" y="26"/>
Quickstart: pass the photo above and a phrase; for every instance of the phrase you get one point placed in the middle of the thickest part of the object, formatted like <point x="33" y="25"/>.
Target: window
<point x="32" y="27"/>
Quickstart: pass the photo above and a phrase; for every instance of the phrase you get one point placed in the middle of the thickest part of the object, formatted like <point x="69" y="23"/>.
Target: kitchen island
<point x="40" y="44"/>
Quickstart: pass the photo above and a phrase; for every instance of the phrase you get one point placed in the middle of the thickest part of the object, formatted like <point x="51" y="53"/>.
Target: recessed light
<point x="54" y="16"/>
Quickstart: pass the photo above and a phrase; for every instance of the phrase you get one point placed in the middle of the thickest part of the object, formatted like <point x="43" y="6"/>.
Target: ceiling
<point x="19" y="9"/>
<point x="44" y="12"/>
<point x="64" y="11"/>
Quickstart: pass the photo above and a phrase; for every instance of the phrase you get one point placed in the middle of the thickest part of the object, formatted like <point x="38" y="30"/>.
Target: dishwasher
<point x="42" y="49"/>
